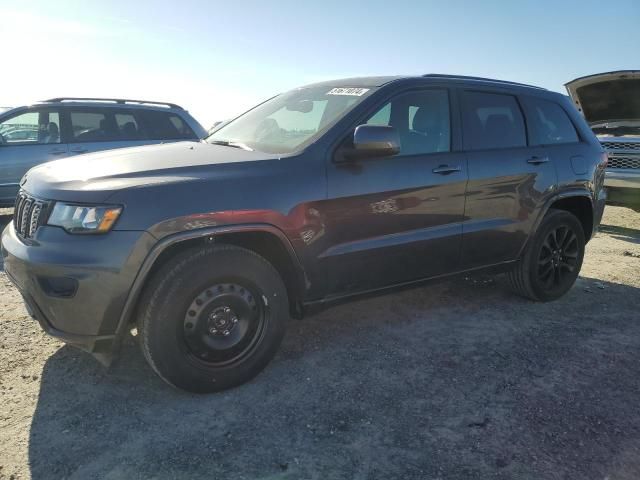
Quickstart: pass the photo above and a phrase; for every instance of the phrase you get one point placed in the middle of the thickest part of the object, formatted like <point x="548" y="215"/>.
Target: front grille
<point x="623" y="162"/>
<point x="28" y="215"/>
<point x="628" y="146"/>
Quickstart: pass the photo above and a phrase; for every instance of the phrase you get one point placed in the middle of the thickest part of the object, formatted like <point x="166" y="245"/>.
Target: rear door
<point x="397" y="219"/>
<point x="509" y="180"/>
<point x="27" y="138"/>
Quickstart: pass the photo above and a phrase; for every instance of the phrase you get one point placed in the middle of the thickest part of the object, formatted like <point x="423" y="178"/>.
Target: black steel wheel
<point x="212" y="318"/>
<point x="552" y="259"/>
<point x="223" y="323"/>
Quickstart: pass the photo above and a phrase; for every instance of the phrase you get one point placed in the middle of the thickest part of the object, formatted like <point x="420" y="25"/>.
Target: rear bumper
<point x="76" y="286"/>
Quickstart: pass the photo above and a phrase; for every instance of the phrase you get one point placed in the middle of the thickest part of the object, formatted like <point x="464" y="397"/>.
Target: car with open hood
<point x="321" y="194"/>
<point x="610" y="102"/>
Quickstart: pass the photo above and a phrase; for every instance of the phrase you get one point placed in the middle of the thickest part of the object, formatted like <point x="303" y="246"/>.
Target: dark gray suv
<point x="317" y="195"/>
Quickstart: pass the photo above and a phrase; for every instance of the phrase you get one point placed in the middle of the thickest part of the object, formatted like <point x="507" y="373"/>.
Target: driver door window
<point x="422" y="120"/>
<point x="26" y="140"/>
<point x="31" y="128"/>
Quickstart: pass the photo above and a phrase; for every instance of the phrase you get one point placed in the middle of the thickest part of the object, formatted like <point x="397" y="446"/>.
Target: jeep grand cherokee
<point x="319" y="194"/>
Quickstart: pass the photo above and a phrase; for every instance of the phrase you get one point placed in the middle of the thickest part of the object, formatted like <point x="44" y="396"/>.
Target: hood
<point x="612" y="97"/>
<point x="95" y="176"/>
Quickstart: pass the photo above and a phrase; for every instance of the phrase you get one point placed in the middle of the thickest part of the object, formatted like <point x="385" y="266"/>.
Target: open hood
<point x="612" y="97"/>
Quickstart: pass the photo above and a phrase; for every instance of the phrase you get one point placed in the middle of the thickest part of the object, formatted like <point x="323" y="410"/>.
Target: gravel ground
<point x="456" y="380"/>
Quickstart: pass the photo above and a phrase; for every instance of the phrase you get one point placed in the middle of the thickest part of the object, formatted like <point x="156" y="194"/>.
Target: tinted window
<point x="93" y="126"/>
<point x="492" y="121"/>
<point x="31" y="128"/>
<point x="165" y="126"/>
<point x="422" y="120"/>
<point x="549" y="123"/>
<point x="128" y="128"/>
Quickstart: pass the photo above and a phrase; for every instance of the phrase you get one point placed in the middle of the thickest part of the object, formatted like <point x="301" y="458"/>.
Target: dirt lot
<point x="456" y="380"/>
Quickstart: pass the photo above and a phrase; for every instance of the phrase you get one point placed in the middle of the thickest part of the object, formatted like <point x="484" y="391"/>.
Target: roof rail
<point x="113" y="100"/>
<point x="483" y="79"/>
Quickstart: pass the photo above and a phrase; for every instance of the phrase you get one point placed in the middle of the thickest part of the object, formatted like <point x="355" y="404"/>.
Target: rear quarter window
<point x="165" y="126"/>
<point x="548" y="123"/>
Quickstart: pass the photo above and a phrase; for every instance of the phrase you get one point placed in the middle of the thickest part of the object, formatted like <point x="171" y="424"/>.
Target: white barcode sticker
<point x="356" y="92"/>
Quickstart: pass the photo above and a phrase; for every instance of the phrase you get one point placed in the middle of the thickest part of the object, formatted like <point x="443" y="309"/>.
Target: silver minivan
<point x="62" y="127"/>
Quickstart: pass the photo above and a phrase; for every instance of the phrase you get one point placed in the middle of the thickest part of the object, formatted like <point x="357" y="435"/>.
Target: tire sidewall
<point x="165" y="346"/>
<point x="555" y="219"/>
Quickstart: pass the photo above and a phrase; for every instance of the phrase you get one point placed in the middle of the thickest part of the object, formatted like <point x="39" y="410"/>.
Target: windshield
<point x="290" y="121"/>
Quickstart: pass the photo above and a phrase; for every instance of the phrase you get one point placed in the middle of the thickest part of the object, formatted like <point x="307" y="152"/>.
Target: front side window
<point x="492" y="121"/>
<point x="290" y="121"/>
<point x="422" y="120"/>
<point x="31" y="128"/>
<point x="548" y="123"/>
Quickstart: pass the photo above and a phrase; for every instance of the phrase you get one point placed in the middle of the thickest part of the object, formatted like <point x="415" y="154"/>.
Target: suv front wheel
<point x="552" y="259"/>
<point x="213" y="318"/>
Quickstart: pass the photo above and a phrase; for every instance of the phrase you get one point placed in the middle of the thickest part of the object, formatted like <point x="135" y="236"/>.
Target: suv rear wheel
<point x="552" y="260"/>
<point x="213" y="318"/>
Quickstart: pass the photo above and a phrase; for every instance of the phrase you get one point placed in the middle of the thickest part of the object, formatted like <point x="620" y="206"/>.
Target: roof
<point x="112" y="101"/>
<point x="378" y="81"/>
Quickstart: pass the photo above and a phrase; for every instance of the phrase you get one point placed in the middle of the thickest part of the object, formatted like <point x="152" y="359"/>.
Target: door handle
<point x="538" y="160"/>
<point x="79" y="150"/>
<point x="446" y="169"/>
<point x="57" y="151"/>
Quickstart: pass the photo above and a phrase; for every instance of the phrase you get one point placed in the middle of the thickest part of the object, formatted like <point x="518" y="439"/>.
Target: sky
<point x="219" y="58"/>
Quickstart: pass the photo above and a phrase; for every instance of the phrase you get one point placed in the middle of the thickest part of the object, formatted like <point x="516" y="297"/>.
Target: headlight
<point x="84" y="218"/>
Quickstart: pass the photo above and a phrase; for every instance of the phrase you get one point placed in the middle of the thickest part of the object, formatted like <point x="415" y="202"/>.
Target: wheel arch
<point x="577" y="202"/>
<point x="266" y="240"/>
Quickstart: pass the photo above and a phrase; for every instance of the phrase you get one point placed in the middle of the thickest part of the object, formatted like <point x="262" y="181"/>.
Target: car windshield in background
<point x="291" y="121"/>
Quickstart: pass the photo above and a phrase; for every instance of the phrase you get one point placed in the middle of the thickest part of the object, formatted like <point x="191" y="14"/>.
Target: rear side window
<point x="93" y="125"/>
<point x="492" y="121"/>
<point x="548" y="123"/>
<point x="165" y="126"/>
<point x="128" y="127"/>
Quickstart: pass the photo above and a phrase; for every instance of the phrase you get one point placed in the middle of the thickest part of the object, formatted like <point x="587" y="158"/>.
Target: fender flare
<point x="574" y="192"/>
<point x="163" y="244"/>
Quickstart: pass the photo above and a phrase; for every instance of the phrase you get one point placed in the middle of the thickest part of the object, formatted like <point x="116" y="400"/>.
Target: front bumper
<point x="623" y="186"/>
<point x="622" y="178"/>
<point x="75" y="286"/>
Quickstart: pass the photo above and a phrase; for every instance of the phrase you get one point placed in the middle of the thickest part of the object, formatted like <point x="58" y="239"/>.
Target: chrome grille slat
<point x="629" y="146"/>
<point x="616" y="161"/>
<point x="28" y="214"/>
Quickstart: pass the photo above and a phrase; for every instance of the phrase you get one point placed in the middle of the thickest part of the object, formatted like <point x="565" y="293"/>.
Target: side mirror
<point x="371" y="141"/>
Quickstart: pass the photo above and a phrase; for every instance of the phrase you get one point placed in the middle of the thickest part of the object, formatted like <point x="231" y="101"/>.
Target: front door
<point x="397" y="219"/>
<point x="27" y="138"/>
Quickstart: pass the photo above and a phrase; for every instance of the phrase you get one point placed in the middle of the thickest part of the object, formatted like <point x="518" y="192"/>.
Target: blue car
<point x="62" y="127"/>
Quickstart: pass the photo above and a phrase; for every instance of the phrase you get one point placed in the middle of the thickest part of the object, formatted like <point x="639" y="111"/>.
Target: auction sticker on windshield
<point x="357" y="92"/>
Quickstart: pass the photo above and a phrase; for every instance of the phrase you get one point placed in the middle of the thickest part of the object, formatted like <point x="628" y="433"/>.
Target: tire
<point x="212" y="318"/>
<point x="547" y="271"/>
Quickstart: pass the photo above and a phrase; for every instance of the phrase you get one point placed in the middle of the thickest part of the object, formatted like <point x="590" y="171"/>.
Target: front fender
<point x="204" y="233"/>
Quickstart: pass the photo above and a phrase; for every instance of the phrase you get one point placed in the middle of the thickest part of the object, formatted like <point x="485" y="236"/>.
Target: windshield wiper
<point x="231" y="143"/>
